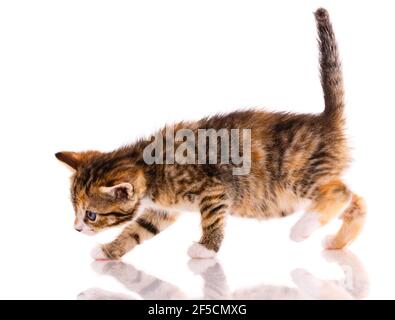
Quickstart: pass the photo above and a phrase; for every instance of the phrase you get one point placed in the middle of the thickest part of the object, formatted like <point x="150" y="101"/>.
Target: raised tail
<point x="330" y="68"/>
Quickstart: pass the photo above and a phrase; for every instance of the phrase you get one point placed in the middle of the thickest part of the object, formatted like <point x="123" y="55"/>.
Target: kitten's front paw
<point x="199" y="251"/>
<point x="99" y="254"/>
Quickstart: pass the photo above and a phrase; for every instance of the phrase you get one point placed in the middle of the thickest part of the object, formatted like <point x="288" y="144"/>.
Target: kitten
<point x="295" y="159"/>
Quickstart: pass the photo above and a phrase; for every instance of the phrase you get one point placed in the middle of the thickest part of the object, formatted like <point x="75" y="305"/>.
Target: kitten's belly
<point x="256" y="207"/>
<point x="284" y="204"/>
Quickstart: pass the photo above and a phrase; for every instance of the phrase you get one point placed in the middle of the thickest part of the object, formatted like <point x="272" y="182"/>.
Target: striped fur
<point x="297" y="160"/>
<point x="331" y="73"/>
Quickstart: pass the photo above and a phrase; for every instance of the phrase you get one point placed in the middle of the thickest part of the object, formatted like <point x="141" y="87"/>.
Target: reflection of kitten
<point x="146" y="286"/>
<point x="295" y="159"/>
<point x="215" y="284"/>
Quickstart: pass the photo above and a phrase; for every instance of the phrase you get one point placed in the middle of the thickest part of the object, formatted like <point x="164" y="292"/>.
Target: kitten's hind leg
<point x="146" y="226"/>
<point x="213" y="208"/>
<point x="329" y="200"/>
<point x="353" y="221"/>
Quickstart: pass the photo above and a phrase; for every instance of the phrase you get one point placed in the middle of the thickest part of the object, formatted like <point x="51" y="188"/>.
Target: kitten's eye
<point x="91" y="215"/>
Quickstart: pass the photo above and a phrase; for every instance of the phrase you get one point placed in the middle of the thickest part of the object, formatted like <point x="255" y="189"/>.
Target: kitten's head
<point x="105" y="191"/>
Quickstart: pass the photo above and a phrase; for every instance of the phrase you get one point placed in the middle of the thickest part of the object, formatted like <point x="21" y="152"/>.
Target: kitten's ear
<point x="122" y="191"/>
<point x="76" y="159"/>
<point x="72" y="159"/>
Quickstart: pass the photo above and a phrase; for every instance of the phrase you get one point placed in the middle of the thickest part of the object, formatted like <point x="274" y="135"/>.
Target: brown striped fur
<point x="297" y="159"/>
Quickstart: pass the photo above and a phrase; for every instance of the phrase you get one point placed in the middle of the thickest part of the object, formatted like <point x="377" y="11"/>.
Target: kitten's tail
<point x="330" y="67"/>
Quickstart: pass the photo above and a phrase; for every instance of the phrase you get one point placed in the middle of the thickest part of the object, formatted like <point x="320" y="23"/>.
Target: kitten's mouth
<point x="88" y="232"/>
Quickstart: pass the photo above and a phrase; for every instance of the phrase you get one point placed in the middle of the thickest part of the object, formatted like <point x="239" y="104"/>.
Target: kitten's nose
<point x="78" y="229"/>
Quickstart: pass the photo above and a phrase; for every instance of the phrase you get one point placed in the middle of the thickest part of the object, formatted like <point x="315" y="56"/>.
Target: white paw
<point x="199" y="251"/>
<point x="305" y="227"/>
<point x="98" y="254"/>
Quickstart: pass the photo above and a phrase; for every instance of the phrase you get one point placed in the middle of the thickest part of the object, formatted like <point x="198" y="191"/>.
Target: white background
<point x="78" y="75"/>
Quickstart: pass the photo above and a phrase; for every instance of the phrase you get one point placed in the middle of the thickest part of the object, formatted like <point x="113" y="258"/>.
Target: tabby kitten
<point x="296" y="159"/>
